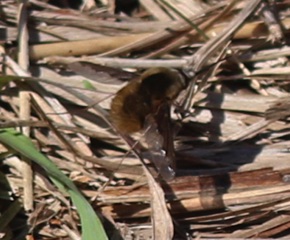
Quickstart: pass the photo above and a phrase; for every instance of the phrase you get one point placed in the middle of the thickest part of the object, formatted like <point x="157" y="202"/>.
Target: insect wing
<point x="159" y="138"/>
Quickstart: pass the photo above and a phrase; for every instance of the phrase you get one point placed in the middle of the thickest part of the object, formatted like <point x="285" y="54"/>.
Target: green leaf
<point x="9" y="214"/>
<point x="4" y="80"/>
<point x="88" y="85"/>
<point x="91" y="225"/>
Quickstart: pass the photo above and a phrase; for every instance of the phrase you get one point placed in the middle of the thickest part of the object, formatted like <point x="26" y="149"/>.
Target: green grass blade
<point x="88" y="85"/>
<point x="91" y="226"/>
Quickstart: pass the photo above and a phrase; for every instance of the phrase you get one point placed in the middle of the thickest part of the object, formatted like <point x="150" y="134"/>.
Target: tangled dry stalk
<point x="61" y="66"/>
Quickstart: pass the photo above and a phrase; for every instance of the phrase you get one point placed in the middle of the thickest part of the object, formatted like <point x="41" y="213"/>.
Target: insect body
<point x="143" y="96"/>
<point x="145" y="104"/>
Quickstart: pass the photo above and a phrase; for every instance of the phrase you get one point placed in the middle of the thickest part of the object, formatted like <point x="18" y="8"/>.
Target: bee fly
<point x="144" y="105"/>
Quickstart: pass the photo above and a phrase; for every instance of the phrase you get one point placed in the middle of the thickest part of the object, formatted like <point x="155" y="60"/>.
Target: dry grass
<point x="232" y="147"/>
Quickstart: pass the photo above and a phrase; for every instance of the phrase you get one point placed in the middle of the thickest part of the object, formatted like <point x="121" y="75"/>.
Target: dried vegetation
<point x="232" y="149"/>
